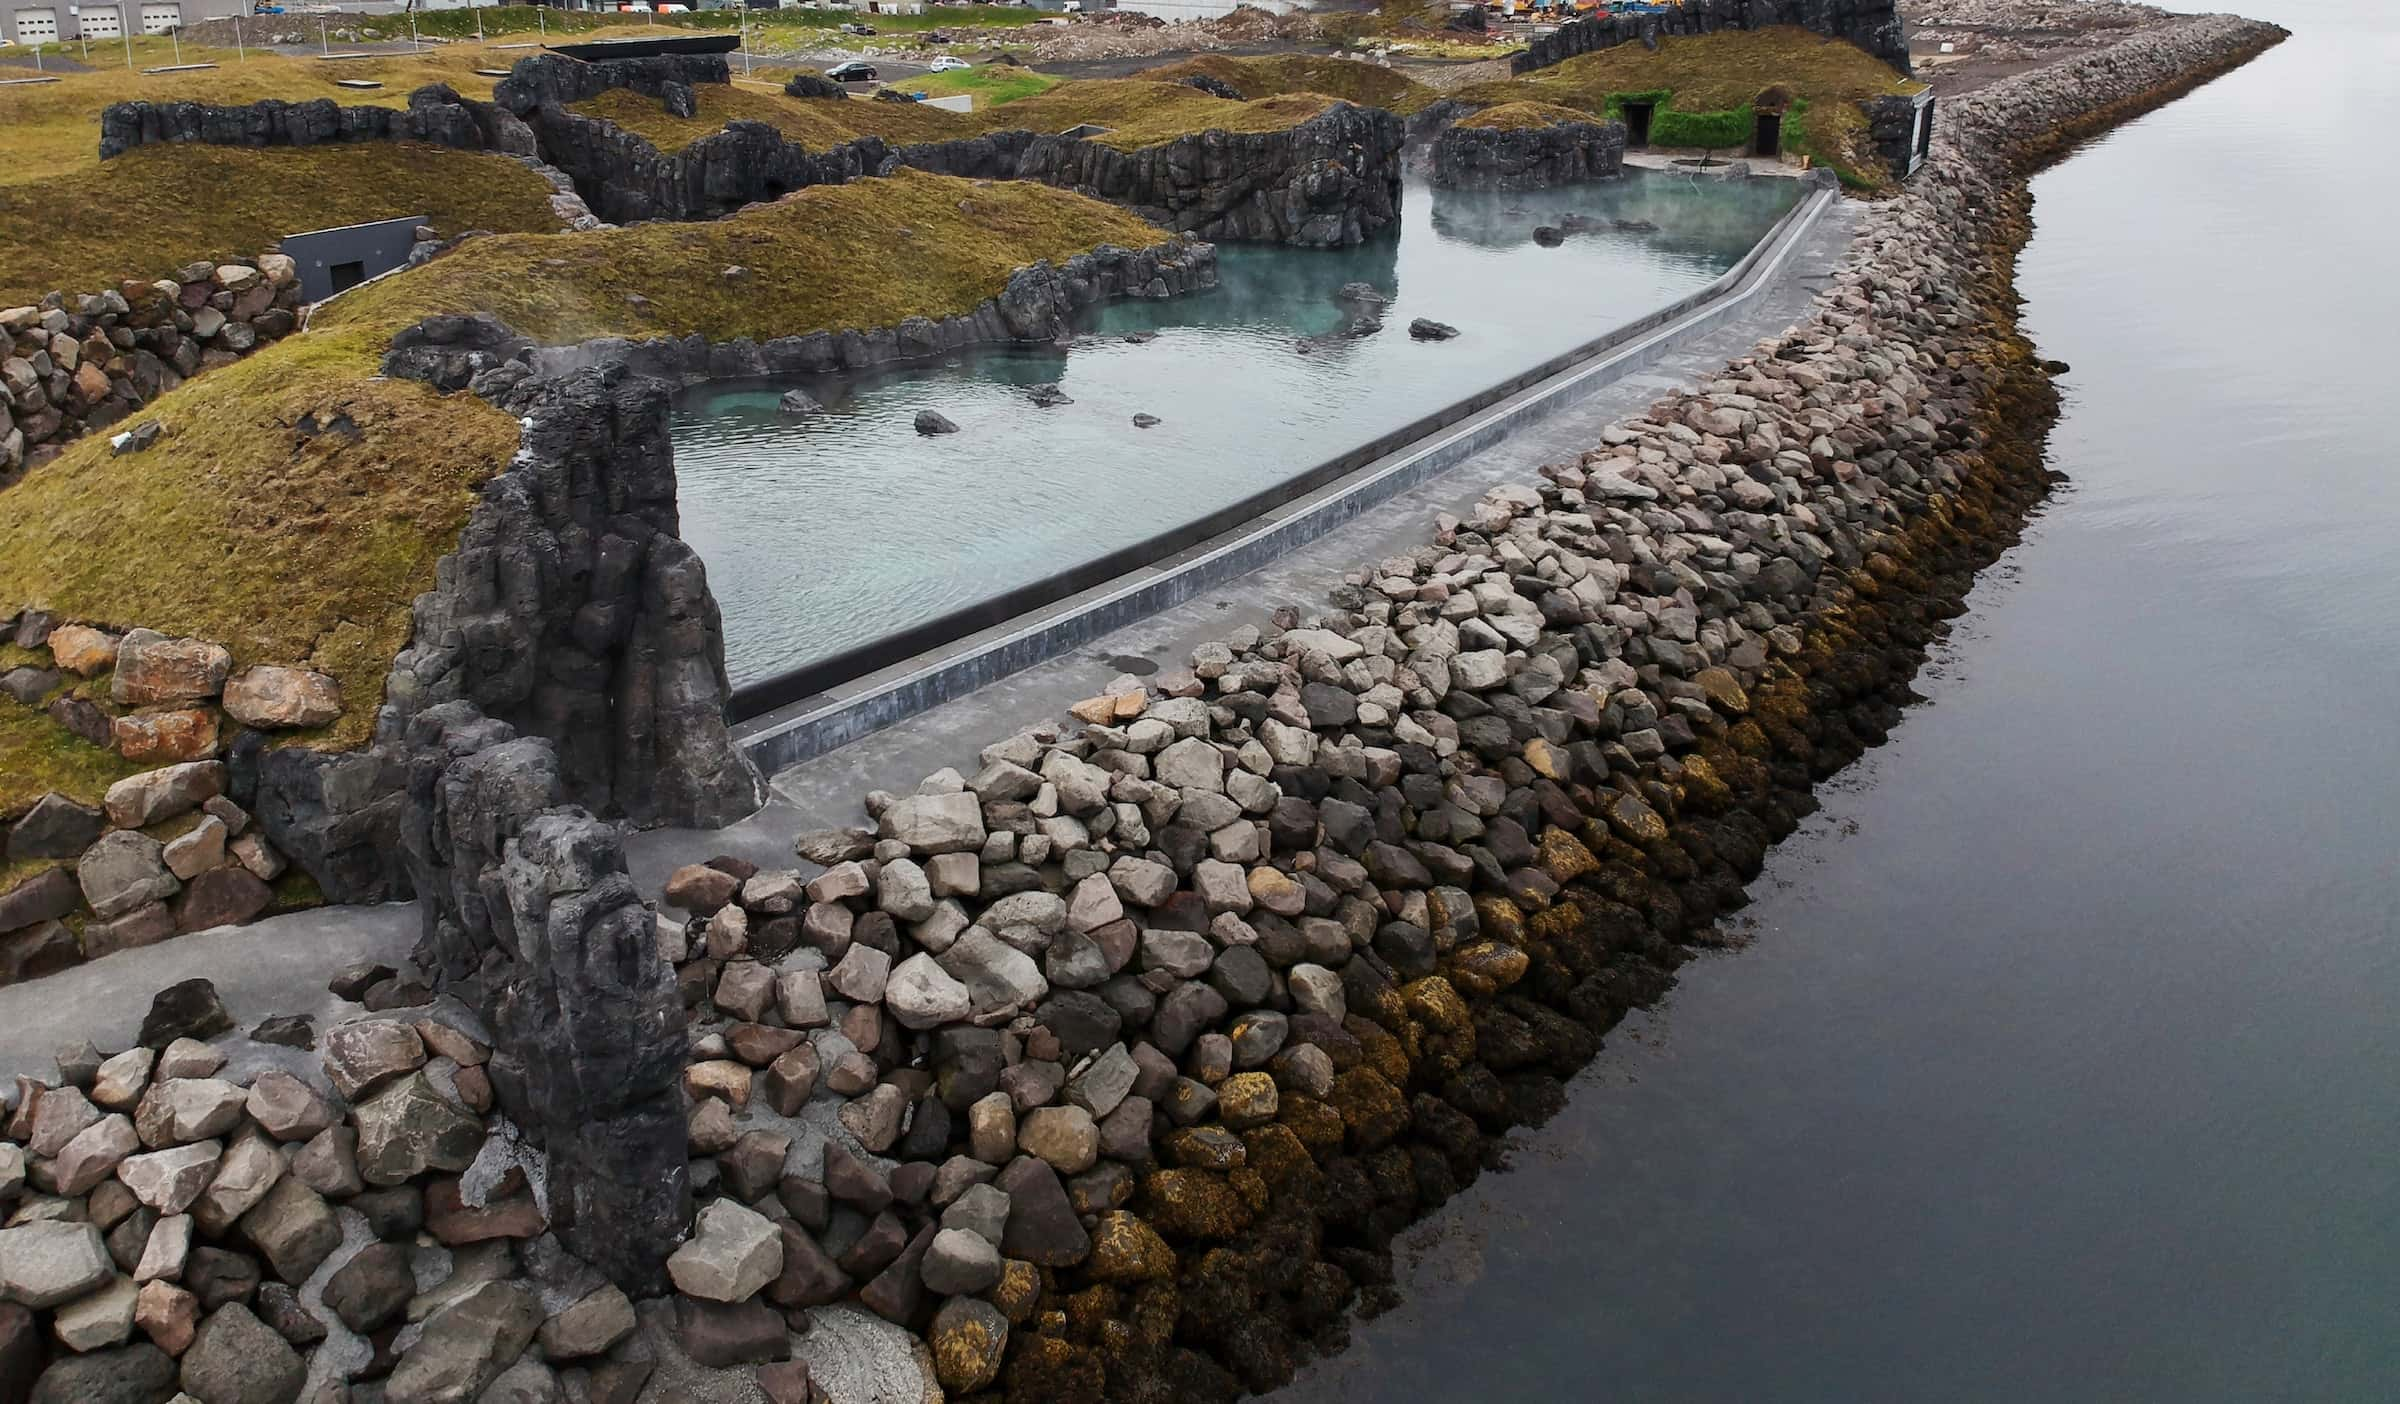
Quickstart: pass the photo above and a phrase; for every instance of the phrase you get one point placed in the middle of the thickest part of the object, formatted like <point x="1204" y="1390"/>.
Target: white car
<point x="949" y="64"/>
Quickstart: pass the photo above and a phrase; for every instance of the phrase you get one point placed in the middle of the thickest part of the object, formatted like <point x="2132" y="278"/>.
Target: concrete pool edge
<point x="842" y="713"/>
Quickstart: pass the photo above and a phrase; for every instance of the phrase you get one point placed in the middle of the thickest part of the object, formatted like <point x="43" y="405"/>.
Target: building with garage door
<point x="63" y="23"/>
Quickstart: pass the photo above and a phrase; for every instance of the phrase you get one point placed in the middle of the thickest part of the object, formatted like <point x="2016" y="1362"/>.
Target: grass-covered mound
<point x="50" y="129"/>
<point x="1704" y="86"/>
<point x="1137" y="112"/>
<point x="295" y="506"/>
<point x="1523" y="116"/>
<point x="148" y="212"/>
<point x="37" y="756"/>
<point x="298" y="501"/>
<point x="815" y="123"/>
<point x="867" y="254"/>
<point x="1367" y="84"/>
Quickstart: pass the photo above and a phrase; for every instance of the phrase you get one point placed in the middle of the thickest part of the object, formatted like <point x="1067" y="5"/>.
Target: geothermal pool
<point x="826" y="533"/>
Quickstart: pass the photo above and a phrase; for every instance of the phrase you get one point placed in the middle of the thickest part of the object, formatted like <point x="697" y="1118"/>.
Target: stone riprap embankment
<point x="1873" y="25"/>
<point x="75" y="363"/>
<point x="1113" y="1066"/>
<point x="1467" y="157"/>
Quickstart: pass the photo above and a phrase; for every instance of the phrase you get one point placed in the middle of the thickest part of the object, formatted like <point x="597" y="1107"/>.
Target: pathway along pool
<point x="825" y="533"/>
<point x="2063" y="1066"/>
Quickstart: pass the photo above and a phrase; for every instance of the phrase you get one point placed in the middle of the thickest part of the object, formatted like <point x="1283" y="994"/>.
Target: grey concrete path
<point x="826" y="791"/>
<point x="276" y="966"/>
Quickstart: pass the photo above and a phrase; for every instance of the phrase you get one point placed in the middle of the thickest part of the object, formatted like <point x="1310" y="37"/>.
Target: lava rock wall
<point x="1527" y="158"/>
<point x="435" y="115"/>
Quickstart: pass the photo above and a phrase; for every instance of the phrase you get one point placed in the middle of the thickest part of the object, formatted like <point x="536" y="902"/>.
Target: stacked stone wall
<point x="73" y="363"/>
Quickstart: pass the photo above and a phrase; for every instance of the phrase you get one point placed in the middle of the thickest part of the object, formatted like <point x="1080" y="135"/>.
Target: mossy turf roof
<point x="50" y="129"/>
<point x="867" y="254"/>
<point x="293" y="509"/>
<point x="148" y="212"/>
<point x="1519" y="116"/>
<point x="1717" y="76"/>
<point x="298" y="502"/>
<point x="1367" y="84"/>
<point x="1137" y="112"/>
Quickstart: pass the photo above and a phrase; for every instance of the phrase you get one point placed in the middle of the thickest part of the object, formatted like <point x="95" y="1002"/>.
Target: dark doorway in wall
<point x="347" y="275"/>
<point x="1767" y="138"/>
<point x="1637" y="123"/>
<point x="1925" y="130"/>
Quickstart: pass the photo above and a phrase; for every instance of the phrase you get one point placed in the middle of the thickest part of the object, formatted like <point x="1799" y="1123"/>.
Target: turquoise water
<point x="824" y="533"/>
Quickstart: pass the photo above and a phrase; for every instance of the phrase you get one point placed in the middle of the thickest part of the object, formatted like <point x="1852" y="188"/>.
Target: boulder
<point x="238" y="1359"/>
<point x="46" y="1263"/>
<point x="56" y="827"/>
<point x="124" y="870"/>
<point x="732" y="1255"/>
<point x="187" y="1009"/>
<point x="466" y="1345"/>
<point x="409" y="1128"/>
<point x="153" y="668"/>
<point x="275" y="698"/>
<point x="141" y="800"/>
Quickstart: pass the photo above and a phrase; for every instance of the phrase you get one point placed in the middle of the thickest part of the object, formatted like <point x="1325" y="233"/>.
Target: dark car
<point x="855" y="28"/>
<point x="855" y="71"/>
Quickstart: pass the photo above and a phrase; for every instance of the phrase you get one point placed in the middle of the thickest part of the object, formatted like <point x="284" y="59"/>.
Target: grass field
<point x="1138" y="112"/>
<point x="149" y="212"/>
<point x="51" y="129"/>
<point x="991" y="85"/>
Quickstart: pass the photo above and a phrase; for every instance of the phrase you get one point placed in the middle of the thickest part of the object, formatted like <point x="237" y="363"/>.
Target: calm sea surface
<point x="2065" y="1062"/>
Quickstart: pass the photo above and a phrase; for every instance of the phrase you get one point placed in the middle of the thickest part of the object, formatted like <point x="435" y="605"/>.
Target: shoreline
<point x="1653" y="693"/>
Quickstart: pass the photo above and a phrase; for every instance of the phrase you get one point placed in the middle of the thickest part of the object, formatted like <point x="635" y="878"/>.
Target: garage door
<point x="158" y="19"/>
<point x="37" y="26"/>
<point x="95" y="22"/>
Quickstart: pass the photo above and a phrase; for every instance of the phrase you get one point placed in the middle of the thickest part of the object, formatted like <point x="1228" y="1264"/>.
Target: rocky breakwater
<point x="75" y="363"/>
<point x="1222" y="987"/>
<point x="1469" y="156"/>
<point x="1873" y="25"/>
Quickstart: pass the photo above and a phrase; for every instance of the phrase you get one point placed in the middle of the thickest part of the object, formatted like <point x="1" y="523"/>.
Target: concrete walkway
<point x="276" y="966"/>
<point x="280" y="966"/>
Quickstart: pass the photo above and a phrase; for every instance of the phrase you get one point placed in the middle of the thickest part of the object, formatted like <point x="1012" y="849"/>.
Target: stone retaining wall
<point x="1527" y="158"/>
<point x="76" y="363"/>
<point x="1114" y="1067"/>
<point x="1873" y="25"/>
<point x="167" y="851"/>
